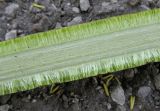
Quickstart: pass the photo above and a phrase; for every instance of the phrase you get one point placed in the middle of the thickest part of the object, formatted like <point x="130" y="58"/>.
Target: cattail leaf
<point x="80" y="51"/>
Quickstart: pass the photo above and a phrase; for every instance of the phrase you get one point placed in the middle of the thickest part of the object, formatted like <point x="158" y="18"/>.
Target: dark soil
<point x="20" y="17"/>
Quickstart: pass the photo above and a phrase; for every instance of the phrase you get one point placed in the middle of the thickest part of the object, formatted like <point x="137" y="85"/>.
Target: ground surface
<point x="20" y="17"/>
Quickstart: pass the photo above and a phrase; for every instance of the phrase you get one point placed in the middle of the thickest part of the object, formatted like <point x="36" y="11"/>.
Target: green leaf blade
<point x="80" y="51"/>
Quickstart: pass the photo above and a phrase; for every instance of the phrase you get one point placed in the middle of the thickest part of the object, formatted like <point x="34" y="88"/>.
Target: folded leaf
<point x="80" y="51"/>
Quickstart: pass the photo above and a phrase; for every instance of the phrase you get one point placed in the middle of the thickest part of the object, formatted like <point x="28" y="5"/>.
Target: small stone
<point x="54" y="7"/>
<point x="42" y="25"/>
<point x="75" y="100"/>
<point x="114" y="1"/>
<point x="133" y="2"/>
<point x="144" y="91"/>
<point x="29" y="97"/>
<point x="158" y="4"/>
<point x="120" y="108"/>
<point x="25" y="99"/>
<point x="147" y="2"/>
<point x="64" y="97"/>
<point x="58" y="25"/>
<point x="37" y="27"/>
<point x="75" y="9"/>
<point x="34" y="101"/>
<point x="129" y="74"/>
<point x="4" y="107"/>
<point x="105" y="4"/>
<point x="75" y="21"/>
<point x="157" y="81"/>
<point x="65" y="104"/>
<point x="14" y="25"/>
<point x="109" y="106"/>
<point x="145" y="7"/>
<point x="11" y="9"/>
<point x="118" y="96"/>
<point x="106" y="7"/>
<point x="43" y="2"/>
<point x="67" y="7"/>
<point x="4" y="99"/>
<point x="84" y="5"/>
<point x="75" y="107"/>
<point x="94" y="81"/>
<point x="33" y="9"/>
<point x="10" y="35"/>
<point x="65" y="101"/>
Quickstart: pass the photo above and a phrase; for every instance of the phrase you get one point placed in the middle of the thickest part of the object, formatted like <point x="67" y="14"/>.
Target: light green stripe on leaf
<point x="80" y="51"/>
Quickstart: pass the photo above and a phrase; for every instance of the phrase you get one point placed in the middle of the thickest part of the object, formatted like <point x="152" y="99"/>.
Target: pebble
<point x="120" y="108"/>
<point x="42" y="25"/>
<point x="43" y="2"/>
<point x="11" y="9"/>
<point x="133" y="2"/>
<point x="129" y="74"/>
<point x="84" y="5"/>
<point x="75" y="21"/>
<point x="158" y="3"/>
<point x="94" y="81"/>
<point x="4" y="99"/>
<point x="75" y="9"/>
<point x="147" y="2"/>
<point x="34" y="101"/>
<point x="117" y="95"/>
<point x="65" y="101"/>
<point x="157" y="81"/>
<point x="106" y="7"/>
<point x="75" y="107"/>
<point x="33" y="9"/>
<point x="11" y="34"/>
<point x="67" y="7"/>
<point x="144" y="91"/>
<point x="109" y="106"/>
<point x="114" y="1"/>
<point x="145" y="7"/>
<point x="4" y="107"/>
<point x="64" y="97"/>
<point x="58" y="25"/>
